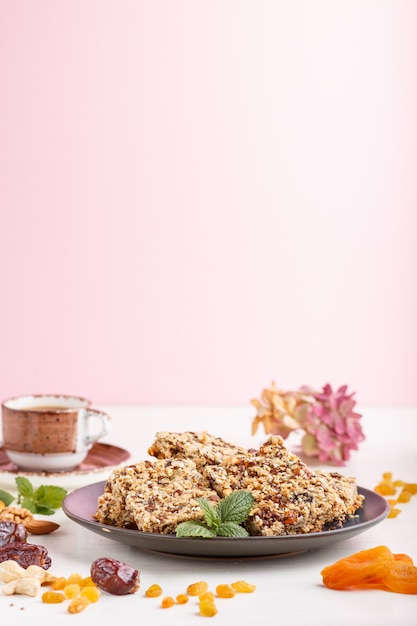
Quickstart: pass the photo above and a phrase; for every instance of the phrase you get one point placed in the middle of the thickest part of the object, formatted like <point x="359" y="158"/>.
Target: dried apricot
<point x="376" y="568"/>
<point x="364" y="568"/>
<point x="404" y="558"/>
<point x="401" y="578"/>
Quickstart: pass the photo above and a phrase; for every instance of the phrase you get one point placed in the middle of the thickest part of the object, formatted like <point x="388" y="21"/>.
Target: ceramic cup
<point x="51" y="433"/>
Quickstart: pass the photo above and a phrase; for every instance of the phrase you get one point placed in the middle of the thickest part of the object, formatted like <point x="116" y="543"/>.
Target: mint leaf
<point x="6" y="497"/>
<point x="231" y="529"/>
<point x="27" y="503"/>
<point x="235" y="507"/>
<point x="24" y="487"/>
<point x="223" y="519"/>
<point x="194" y="529"/>
<point x="44" y="500"/>
<point x="43" y="510"/>
<point x="211" y="514"/>
<point x="49" y="496"/>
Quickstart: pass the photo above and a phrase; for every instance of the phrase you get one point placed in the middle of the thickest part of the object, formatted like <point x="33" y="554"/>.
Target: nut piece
<point x="11" y="570"/>
<point x="28" y="586"/>
<point x="39" y="526"/>
<point x="15" y="514"/>
<point x="23" y="581"/>
<point x="35" y="571"/>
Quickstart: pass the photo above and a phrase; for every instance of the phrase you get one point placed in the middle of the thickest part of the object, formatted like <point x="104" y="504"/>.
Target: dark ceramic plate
<point x="81" y="505"/>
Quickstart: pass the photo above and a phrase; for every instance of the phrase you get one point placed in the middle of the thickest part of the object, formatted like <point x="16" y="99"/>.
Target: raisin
<point x="225" y="591"/>
<point x="59" y="583"/>
<point x="25" y="554"/>
<point x="12" y="532"/>
<point x="76" y="578"/>
<point x="52" y="597"/>
<point x="195" y="589"/>
<point x="154" y="591"/>
<point x="207" y="605"/>
<point x="72" y="590"/>
<point x="181" y="598"/>
<point x="241" y="586"/>
<point x="91" y="592"/>
<point x="167" y="602"/>
<point x="115" y="576"/>
<point x="78" y="604"/>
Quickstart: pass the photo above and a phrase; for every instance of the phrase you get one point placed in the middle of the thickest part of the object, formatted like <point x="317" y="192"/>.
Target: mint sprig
<point x="224" y="519"/>
<point x="44" y="500"/>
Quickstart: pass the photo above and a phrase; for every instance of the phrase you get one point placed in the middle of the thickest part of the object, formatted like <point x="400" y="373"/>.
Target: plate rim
<point x="115" y="533"/>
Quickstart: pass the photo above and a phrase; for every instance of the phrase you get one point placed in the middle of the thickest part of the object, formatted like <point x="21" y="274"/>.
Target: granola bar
<point x="154" y="496"/>
<point x="289" y="497"/>
<point x="201" y="447"/>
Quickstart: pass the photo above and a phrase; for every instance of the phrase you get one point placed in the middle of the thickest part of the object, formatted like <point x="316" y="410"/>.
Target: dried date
<point x="115" y="576"/>
<point x="11" y="532"/>
<point x="25" y="554"/>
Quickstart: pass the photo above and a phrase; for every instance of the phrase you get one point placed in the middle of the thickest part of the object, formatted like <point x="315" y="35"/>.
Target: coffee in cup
<point x="50" y="432"/>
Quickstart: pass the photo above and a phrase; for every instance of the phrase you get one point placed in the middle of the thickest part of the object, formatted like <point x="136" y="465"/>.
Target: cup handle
<point x="105" y="425"/>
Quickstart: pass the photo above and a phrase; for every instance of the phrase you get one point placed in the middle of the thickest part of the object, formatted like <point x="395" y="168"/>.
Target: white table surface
<point x="289" y="589"/>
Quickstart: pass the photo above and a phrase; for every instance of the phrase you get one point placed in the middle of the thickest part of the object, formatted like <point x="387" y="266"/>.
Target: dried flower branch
<point x="331" y="427"/>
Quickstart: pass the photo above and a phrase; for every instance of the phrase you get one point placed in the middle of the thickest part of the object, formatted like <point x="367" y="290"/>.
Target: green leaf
<point x="223" y="519"/>
<point x="43" y="510"/>
<point x="6" y="497"/>
<point x="27" y="503"/>
<point x="44" y="500"/>
<point x="235" y="507"/>
<point x="231" y="529"/>
<point x="211" y="514"/>
<point x="24" y="487"/>
<point x="194" y="529"/>
<point x="49" y="496"/>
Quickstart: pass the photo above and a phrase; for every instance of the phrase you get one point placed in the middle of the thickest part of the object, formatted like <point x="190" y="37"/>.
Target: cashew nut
<point x="39" y="572"/>
<point x="24" y="581"/>
<point x="28" y="586"/>
<point x="11" y="570"/>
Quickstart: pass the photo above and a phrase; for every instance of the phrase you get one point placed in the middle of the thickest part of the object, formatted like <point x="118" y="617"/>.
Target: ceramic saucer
<point x="97" y="465"/>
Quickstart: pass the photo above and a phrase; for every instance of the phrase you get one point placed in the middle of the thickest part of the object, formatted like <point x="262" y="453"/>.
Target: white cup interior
<point x="25" y="402"/>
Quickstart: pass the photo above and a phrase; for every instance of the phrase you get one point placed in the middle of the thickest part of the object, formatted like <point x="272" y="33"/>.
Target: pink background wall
<point x="199" y="197"/>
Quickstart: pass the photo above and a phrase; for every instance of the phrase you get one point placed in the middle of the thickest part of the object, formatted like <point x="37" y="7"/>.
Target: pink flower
<point x="331" y="427"/>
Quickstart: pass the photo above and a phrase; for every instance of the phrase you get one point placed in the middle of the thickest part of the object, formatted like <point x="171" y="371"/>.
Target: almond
<point x="40" y="526"/>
